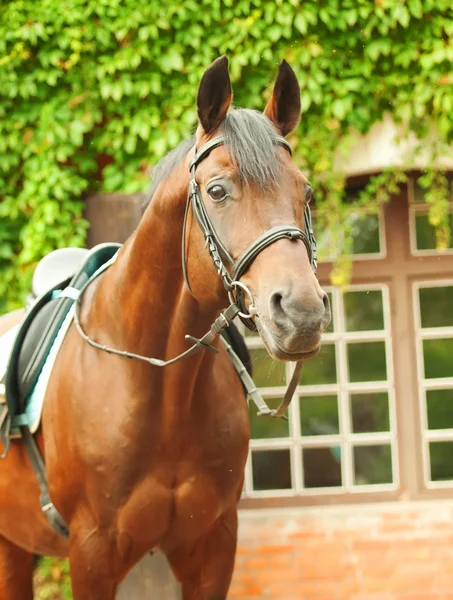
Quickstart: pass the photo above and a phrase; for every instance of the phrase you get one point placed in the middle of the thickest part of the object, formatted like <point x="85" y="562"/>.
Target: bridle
<point x="217" y="249"/>
<point x="235" y="288"/>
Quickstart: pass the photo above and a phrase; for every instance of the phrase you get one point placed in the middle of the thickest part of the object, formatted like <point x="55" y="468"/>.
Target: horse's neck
<point x="142" y="304"/>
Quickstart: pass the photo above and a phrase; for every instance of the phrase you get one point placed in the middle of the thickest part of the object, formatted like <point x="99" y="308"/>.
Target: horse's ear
<point x="214" y="95"/>
<point x="283" y="108"/>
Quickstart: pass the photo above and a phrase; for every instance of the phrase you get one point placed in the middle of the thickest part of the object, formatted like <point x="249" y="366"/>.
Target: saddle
<point x="47" y="308"/>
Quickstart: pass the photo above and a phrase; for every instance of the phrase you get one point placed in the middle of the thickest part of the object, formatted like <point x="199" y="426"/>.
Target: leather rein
<point x="236" y="290"/>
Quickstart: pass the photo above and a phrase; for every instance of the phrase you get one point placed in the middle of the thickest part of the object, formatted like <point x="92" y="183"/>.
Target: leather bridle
<point x="217" y="249"/>
<point x="231" y="282"/>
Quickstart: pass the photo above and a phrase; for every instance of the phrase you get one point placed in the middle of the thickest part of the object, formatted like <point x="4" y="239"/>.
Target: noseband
<point x="217" y="249"/>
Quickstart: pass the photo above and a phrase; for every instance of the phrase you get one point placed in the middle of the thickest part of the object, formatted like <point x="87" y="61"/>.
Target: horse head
<point x="253" y="200"/>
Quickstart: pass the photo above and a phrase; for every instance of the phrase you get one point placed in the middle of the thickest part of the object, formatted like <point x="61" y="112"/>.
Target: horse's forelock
<point x="250" y="144"/>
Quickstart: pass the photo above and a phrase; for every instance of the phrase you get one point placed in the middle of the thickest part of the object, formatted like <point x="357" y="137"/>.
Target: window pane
<point x="419" y="194"/>
<point x="372" y="464"/>
<point x="265" y="427"/>
<point x="367" y="361"/>
<point x="322" y="467"/>
<point x="363" y="310"/>
<point x="271" y="470"/>
<point x="441" y="460"/>
<point x="331" y="325"/>
<point x="324" y="240"/>
<point x="440" y="409"/>
<point x="425" y="233"/>
<point x="370" y="412"/>
<point x="437" y="357"/>
<point x="320" y="369"/>
<point x="267" y="372"/>
<point x="364" y="233"/>
<point x="247" y="333"/>
<point x="436" y="306"/>
<point x="319" y="415"/>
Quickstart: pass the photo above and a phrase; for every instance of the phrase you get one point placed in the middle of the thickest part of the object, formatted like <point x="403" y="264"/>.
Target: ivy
<point x="93" y="92"/>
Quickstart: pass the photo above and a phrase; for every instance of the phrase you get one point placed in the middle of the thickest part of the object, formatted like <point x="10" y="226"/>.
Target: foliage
<point x="52" y="581"/>
<point x="437" y="196"/>
<point x="93" y="91"/>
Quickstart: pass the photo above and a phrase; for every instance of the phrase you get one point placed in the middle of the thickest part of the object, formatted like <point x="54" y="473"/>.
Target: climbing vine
<point x="93" y="92"/>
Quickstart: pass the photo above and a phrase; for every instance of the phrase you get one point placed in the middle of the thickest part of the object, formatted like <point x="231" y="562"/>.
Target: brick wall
<point x="394" y="551"/>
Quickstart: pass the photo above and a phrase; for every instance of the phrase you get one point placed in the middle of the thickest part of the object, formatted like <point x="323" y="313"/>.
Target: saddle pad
<point x="6" y="345"/>
<point x="34" y="404"/>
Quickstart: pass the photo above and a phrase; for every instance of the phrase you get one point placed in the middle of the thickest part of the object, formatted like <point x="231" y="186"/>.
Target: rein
<point x="232" y="284"/>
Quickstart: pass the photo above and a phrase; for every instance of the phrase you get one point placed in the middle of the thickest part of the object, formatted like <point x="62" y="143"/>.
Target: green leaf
<point x="300" y="23"/>
<point x="171" y="60"/>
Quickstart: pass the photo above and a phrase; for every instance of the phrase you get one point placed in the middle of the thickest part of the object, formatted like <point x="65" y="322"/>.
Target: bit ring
<point x="252" y="308"/>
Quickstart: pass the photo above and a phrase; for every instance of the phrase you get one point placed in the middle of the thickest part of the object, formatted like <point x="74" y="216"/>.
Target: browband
<point x="222" y="140"/>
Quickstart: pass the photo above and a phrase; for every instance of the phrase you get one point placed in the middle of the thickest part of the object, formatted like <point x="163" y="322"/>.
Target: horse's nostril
<point x="303" y="310"/>
<point x="277" y="310"/>
<point x="277" y="301"/>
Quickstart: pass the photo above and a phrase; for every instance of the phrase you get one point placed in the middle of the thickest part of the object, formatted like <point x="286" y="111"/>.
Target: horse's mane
<point x="250" y="144"/>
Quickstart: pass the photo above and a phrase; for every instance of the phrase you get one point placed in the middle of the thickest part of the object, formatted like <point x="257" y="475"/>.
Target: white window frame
<point x="347" y="440"/>
<point x="424" y="385"/>
<point x="422" y="208"/>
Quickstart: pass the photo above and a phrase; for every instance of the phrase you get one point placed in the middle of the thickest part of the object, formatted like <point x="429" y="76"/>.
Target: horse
<point x="141" y="458"/>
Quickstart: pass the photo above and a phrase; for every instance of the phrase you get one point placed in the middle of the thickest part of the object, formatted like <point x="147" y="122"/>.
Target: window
<point x="340" y="436"/>
<point x="434" y="327"/>
<point x="422" y="233"/>
<point x="388" y="353"/>
<point x="365" y="231"/>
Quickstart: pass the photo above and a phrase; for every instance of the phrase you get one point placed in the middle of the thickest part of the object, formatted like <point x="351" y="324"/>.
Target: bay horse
<point x="142" y="458"/>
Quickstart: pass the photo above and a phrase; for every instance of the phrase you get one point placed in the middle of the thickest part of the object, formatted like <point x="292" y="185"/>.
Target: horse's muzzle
<point x="292" y="323"/>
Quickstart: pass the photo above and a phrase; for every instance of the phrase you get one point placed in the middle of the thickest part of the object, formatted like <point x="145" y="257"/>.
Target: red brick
<point x="272" y="575"/>
<point x="258" y="562"/>
<point x="253" y="590"/>
<point x="425" y="596"/>
<point x="371" y="555"/>
<point x="275" y="550"/>
<point x="278" y="589"/>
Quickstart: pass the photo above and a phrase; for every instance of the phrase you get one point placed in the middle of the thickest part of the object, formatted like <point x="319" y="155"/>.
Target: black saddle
<point x="58" y="270"/>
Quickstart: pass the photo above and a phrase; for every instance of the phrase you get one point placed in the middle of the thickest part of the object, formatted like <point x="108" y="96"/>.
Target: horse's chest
<point x="186" y="493"/>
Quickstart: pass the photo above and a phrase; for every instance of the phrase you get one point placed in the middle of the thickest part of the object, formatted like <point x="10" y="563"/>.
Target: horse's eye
<point x="217" y="192"/>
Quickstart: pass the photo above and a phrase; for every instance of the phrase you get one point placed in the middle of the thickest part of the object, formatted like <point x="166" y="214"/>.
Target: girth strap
<point x="34" y="454"/>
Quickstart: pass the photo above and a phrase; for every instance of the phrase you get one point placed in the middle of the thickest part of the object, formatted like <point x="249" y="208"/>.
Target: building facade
<point x="352" y="497"/>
